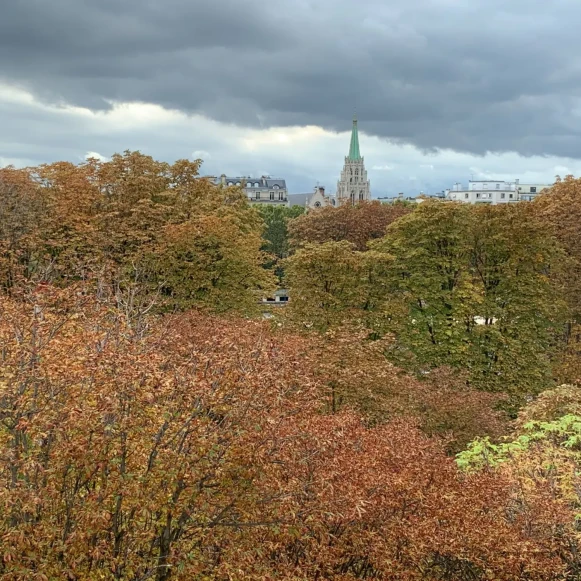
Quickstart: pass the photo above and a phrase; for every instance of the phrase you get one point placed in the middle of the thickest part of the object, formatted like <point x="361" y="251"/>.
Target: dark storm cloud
<point x="471" y="75"/>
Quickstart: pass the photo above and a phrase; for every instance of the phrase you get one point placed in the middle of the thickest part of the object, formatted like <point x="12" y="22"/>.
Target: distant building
<point x="315" y="199"/>
<point x="410" y="199"/>
<point x="528" y="192"/>
<point x="263" y="190"/>
<point x="494" y="192"/>
<point x="353" y="185"/>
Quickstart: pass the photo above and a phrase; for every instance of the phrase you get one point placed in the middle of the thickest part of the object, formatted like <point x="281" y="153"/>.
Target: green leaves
<point x="474" y="283"/>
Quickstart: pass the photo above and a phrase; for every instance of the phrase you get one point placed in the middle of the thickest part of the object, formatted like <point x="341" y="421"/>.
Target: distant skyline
<point x="444" y="89"/>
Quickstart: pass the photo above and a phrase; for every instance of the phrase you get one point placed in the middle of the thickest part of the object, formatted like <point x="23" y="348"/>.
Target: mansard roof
<point x="263" y="182"/>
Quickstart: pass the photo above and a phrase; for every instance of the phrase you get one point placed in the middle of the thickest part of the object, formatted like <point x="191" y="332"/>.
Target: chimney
<point x="223" y="179"/>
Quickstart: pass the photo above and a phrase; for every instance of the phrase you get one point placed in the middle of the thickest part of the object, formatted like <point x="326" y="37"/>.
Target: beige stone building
<point x="353" y="185"/>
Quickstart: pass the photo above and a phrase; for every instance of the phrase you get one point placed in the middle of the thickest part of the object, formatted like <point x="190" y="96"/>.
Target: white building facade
<point x="494" y="192"/>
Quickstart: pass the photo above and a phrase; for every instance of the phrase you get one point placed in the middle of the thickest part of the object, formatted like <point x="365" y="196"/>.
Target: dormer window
<point x="237" y="183"/>
<point x="256" y="185"/>
<point x="276" y="187"/>
<point x="230" y="184"/>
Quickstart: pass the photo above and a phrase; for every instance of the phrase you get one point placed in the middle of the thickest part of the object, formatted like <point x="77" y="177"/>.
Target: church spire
<point x="354" y="154"/>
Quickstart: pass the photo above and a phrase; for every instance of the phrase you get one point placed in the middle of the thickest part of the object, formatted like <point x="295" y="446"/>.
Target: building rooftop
<point x="299" y="199"/>
<point x="265" y="182"/>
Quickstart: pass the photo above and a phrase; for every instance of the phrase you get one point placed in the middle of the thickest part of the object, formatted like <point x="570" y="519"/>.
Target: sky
<point x="445" y="90"/>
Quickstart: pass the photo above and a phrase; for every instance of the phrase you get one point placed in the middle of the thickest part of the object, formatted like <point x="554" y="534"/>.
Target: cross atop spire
<point x="354" y="154"/>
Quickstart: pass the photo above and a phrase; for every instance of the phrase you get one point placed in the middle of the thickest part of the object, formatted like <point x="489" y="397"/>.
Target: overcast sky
<point x="445" y="90"/>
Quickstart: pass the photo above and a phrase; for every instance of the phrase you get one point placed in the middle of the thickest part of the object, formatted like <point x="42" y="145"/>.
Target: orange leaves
<point x="151" y="234"/>
<point x="356" y="224"/>
<point x="198" y="450"/>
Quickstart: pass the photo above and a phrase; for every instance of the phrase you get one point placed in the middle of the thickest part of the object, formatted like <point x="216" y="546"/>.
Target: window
<point x="281" y="195"/>
<point x="257" y="195"/>
<point x="272" y="195"/>
<point x="510" y="196"/>
<point x="317" y="204"/>
<point x="498" y="186"/>
<point x="237" y="183"/>
<point x="533" y="190"/>
<point x="502" y="196"/>
<point x="477" y="195"/>
<point x="276" y="187"/>
<point x="230" y="184"/>
<point x="256" y="184"/>
<point x="466" y="196"/>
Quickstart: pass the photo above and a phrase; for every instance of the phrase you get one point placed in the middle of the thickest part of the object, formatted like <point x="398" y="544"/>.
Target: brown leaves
<point x="356" y="224"/>
<point x="108" y="222"/>
<point x="198" y="450"/>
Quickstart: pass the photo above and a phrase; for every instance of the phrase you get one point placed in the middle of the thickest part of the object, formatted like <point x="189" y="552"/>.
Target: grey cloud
<point x="470" y="75"/>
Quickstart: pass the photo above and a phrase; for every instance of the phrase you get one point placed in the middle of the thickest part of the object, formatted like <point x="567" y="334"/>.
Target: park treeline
<point x="413" y="413"/>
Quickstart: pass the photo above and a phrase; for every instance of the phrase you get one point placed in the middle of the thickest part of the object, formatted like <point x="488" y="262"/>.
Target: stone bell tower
<point x="353" y="186"/>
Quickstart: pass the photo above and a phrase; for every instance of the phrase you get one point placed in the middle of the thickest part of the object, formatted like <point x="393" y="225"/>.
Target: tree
<point x="276" y="237"/>
<point x="477" y="288"/>
<point x="561" y="209"/>
<point x="357" y="224"/>
<point x="208" y="261"/>
<point x="276" y="219"/>
<point x="198" y="450"/>
<point x="138" y="459"/>
<point x="324" y="282"/>
<point x="110" y="221"/>
<point x="22" y="210"/>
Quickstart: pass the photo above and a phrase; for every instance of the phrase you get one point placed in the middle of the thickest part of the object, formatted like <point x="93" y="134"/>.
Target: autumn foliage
<point x="139" y="229"/>
<point x="356" y="224"/>
<point x="199" y="451"/>
<point x="152" y="427"/>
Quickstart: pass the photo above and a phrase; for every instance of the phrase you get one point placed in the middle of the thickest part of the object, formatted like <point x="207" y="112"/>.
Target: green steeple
<point x="354" y="154"/>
